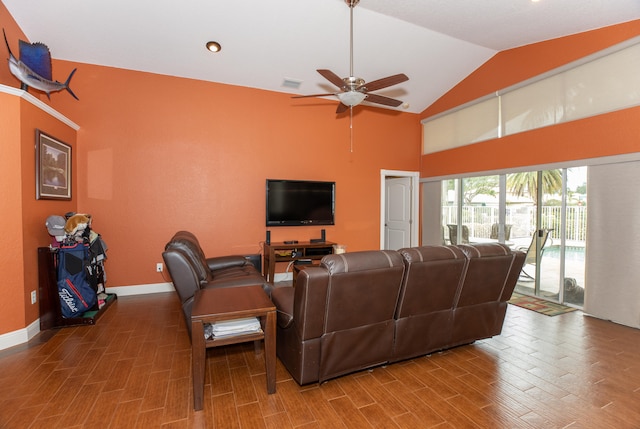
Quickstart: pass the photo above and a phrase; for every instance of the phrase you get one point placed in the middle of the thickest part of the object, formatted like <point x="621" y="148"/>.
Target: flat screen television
<point x="300" y="202"/>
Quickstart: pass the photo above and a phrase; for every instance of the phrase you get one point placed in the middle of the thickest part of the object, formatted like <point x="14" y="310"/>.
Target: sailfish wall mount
<point x="33" y="68"/>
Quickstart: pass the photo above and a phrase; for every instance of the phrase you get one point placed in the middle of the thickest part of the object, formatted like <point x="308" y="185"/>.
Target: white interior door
<point x="398" y="211"/>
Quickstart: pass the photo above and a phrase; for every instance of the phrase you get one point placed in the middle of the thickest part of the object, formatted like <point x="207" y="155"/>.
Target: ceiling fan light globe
<point x="351" y="98"/>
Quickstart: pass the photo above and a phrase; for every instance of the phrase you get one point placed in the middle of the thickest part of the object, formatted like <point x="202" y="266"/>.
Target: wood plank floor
<point x="132" y="369"/>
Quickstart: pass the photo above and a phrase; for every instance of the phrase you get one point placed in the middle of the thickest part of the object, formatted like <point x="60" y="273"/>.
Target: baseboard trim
<point x="141" y="289"/>
<point x="21" y="336"/>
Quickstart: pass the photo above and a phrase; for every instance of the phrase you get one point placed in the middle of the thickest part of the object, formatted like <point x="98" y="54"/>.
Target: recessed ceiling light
<point x="213" y="46"/>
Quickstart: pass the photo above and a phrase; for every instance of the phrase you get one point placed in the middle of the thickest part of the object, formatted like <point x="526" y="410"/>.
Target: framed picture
<point x="53" y="168"/>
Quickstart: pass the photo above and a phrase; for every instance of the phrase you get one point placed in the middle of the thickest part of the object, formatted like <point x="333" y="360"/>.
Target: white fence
<point x="522" y="218"/>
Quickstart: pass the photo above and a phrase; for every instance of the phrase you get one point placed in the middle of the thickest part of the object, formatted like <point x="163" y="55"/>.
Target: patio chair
<point x="453" y="234"/>
<point x="540" y="237"/>
<point x="495" y="230"/>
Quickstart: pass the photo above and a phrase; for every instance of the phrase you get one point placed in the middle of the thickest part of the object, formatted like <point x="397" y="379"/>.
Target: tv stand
<point x="287" y="252"/>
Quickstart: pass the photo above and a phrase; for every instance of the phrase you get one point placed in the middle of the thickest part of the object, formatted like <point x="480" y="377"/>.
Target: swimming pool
<point x="571" y="253"/>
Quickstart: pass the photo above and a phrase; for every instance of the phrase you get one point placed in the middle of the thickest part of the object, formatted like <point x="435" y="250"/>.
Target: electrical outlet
<point x="34" y="297"/>
<point x="159" y="267"/>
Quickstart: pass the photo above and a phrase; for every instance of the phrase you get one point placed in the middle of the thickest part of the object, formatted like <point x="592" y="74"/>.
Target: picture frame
<point x="53" y="168"/>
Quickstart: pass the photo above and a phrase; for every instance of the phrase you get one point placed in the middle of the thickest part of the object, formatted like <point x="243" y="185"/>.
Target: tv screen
<point x="300" y="202"/>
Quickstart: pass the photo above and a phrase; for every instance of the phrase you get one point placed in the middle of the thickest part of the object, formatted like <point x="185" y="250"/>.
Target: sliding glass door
<point x="473" y="201"/>
<point x="540" y="275"/>
<point x="523" y="215"/>
<point x="451" y="208"/>
<point x="542" y="213"/>
<point x="574" y="238"/>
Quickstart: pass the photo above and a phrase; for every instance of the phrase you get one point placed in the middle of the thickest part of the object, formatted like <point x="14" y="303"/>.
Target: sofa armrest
<point x="222" y="262"/>
<point x="282" y="298"/>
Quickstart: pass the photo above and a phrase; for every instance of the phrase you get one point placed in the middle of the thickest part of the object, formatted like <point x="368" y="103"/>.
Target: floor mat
<point x="539" y="305"/>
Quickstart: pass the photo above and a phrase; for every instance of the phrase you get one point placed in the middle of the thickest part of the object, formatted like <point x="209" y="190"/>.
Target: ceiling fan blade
<point x="385" y="82"/>
<point x="332" y="77"/>
<point x="381" y="99"/>
<point x="341" y="108"/>
<point x="313" y="95"/>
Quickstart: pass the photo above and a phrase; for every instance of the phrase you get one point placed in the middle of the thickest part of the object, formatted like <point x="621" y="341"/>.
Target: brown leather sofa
<point x="190" y="270"/>
<point x="363" y="309"/>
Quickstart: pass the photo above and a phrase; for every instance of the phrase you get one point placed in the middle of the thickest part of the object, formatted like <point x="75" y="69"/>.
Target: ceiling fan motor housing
<point x="351" y="83"/>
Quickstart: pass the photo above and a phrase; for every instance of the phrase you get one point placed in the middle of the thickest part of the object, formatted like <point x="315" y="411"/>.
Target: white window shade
<point x="533" y="106"/>
<point x="475" y="123"/>
<point x="478" y="122"/>
<point x="602" y="83"/>
<point x="439" y="134"/>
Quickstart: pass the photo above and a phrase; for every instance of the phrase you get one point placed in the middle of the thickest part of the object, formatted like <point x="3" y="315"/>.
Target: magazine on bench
<point x="227" y="328"/>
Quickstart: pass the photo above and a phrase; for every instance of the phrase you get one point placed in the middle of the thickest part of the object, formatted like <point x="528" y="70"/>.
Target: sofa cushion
<point x="360" y="261"/>
<point x="480" y="250"/>
<point x="353" y="298"/>
<point x="222" y="262"/>
<point x="430" y="289"/>
<point x="486" y="275"/>
<point x="432" y="279"/>
<point x="479" y="312"/>
<point x="237" y="276"/>
<point x="191" y="249"/>
<point x="361" y="297"/>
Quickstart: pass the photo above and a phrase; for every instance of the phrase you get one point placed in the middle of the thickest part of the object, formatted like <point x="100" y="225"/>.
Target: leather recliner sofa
<point x="363" y="309"/>
<point x="191" y="270"/>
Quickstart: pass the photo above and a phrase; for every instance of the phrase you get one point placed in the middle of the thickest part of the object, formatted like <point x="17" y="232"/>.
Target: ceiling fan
<point x="354" y="90"/>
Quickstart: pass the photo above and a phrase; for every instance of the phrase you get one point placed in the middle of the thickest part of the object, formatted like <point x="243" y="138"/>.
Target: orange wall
<point x="12" y="310"/>
<point x="35" y="212"/>
<point x="157" y="154"/>
<point x="609" y="134"/>
<point x="23" y="216"/>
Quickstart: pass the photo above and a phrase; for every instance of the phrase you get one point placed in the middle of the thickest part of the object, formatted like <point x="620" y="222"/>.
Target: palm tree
<point x="520" y="183"/>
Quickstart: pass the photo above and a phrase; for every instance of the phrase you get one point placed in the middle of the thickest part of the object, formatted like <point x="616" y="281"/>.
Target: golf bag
<point x="76" y="294"/>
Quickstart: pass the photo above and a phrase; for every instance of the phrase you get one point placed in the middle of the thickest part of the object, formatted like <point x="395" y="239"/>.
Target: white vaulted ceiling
<point x="434" y="42"/>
